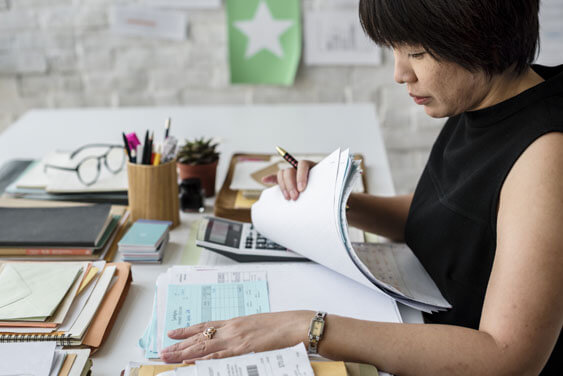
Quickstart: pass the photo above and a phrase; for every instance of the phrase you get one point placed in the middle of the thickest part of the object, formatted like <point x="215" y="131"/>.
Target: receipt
<point x="291" y="361"/>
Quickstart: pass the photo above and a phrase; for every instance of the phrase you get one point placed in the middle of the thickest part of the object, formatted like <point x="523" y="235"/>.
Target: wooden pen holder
<point x="153" y="192"/>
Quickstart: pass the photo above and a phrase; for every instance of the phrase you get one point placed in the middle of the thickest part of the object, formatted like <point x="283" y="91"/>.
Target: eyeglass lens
<point x="89" y="170"/>
<point x="115" y="159"/>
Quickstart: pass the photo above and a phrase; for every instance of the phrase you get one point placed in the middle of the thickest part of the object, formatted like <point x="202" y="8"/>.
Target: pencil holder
<point x="153" y="192"/>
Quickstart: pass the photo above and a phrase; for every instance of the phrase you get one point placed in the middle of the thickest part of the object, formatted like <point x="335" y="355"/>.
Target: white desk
<point x="297" y="128"/>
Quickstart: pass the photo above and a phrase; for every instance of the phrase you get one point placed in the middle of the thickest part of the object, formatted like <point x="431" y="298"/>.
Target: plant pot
<point x="206" y="173"/>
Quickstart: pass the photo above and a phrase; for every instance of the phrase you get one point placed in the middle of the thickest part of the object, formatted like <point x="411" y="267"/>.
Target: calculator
<point x="240" y="241"/>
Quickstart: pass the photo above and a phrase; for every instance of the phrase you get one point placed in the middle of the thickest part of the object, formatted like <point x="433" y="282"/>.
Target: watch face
<point x="317" y="328"/>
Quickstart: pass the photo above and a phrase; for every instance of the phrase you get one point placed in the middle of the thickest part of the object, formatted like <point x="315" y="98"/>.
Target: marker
<point x="288" y="157"/>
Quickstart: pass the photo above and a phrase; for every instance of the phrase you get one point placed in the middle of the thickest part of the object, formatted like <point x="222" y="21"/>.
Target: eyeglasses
<point x="88" y="169"/>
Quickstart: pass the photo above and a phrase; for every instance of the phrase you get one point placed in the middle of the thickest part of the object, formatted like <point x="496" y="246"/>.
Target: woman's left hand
<point x="241" y="335"/>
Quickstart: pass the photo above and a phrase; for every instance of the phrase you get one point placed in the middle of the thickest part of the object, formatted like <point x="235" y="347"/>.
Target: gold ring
<point x="209" y="332"/>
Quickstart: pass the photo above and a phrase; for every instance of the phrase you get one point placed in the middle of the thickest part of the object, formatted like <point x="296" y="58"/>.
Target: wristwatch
<point x="316" y="331"/>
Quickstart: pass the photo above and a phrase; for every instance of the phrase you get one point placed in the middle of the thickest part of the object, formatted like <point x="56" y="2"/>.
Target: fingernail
<point x="293" y="194"/>
<point x="285" y="194"/>
<point x="300" y="186"/>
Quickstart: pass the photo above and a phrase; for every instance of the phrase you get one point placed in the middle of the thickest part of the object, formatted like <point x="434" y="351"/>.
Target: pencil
<point x="288" y="157"/>
<point x="167" y="128"/>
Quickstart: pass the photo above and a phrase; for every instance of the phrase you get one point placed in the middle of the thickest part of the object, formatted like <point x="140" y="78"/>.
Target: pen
<point x="145" y="155"/>
<point x="150" y="152"/>
<point x="292" y="161"/>
<point x="167" y="128"/>
<point x="127" y="149"/>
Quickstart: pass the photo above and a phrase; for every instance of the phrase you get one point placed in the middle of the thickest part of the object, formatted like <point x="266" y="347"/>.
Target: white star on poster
<point x="263" y="31"/>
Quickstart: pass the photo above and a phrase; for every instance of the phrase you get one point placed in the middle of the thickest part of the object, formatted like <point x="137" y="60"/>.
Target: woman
<point x="487" y="214"/>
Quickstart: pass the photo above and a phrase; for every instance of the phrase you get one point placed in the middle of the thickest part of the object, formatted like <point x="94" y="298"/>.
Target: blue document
<point x="192" y="304"/>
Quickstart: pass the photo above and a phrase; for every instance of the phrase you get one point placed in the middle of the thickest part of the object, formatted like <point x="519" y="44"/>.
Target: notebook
<point x="80" y="226"/>
<point x="144" y="236"/>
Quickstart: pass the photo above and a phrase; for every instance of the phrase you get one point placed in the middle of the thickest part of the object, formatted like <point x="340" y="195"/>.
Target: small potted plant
<point x="198" y="159"/>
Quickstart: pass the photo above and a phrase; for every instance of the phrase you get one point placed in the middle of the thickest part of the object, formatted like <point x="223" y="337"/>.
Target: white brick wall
<point x="61" y="53"/>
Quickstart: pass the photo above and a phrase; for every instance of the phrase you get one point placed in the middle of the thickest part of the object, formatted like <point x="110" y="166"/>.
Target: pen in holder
<point x="153" y="192"/>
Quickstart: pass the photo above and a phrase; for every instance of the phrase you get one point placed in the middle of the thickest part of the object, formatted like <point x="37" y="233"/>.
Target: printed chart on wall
<point x="264" y="40"/>
<point x="336" y="37"/>
<point x="551" y="32"/>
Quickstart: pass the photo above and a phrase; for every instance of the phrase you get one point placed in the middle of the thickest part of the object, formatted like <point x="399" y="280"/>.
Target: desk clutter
<point x="221" y="292"/>
<point x="321" y="209"/>
<point x="145" y="241"/>
<point x="49" y="230"/>
<point x="91" y="173"/>
<point x="243" y="185"/>
<point x="67" y="303"/>
<point x="288" y="361"/>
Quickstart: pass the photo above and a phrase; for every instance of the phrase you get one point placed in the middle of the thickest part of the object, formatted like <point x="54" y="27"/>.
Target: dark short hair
<point x="487" y="35"/>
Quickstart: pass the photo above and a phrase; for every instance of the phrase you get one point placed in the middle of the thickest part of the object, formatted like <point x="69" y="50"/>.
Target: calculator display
<point x="224" y="233"/>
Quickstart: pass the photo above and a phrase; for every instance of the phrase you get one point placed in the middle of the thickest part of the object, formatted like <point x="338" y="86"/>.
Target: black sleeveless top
<point x="451" y="225"/>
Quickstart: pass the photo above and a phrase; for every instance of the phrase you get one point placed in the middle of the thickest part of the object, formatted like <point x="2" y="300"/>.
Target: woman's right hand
<point x="291" y="181"/>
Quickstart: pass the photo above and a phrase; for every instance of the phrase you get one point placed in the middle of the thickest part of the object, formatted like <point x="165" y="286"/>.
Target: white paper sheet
<point x="80" y="301"/>
<point x="315" y="226"/>
<point x="316" y="210"/>
<point x="87" y="314"/>
<point x="289" y="361"/>
<point x="15" y="358"/>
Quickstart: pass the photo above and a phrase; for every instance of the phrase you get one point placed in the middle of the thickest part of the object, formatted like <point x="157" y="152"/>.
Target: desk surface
<point x="297" y="128"/>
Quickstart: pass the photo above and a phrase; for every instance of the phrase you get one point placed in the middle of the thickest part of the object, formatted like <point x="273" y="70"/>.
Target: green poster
<point x="264" y="40"/>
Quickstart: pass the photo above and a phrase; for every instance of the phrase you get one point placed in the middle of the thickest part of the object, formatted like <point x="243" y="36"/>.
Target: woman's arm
<point x="521" y="318"/>
<point x="523" y="310"/>
<point x="385" y="216"/>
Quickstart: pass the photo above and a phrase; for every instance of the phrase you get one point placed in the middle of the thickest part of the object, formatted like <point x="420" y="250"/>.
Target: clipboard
<point x="228" y="201"/>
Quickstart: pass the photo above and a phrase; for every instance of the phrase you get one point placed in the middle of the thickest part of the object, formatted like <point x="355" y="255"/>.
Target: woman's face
<point x="443" y="88"/>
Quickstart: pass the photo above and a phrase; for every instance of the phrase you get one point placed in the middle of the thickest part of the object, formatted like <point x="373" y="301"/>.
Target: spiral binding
<point x="62" y="339"/>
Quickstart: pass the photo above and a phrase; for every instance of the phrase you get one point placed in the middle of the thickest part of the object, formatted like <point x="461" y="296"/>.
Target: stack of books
<point x="145" y="241"/>
<point x="33" y="230"/>
<point x="30" y="180"/>
<point x="68" y="303"/>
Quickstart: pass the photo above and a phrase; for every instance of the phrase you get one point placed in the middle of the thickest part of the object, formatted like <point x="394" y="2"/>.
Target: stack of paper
<point x="59" y="302"/>
<point x="248" y="174"/>
<point x="34" y="230"/>
<point x="315" y="226"/>
<point x="36" y="182"/>
<point x="46" y="360"/>
<point x="217" y="293"/>
<point x="145" y="241"/>
<point x="288" y="361"/>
